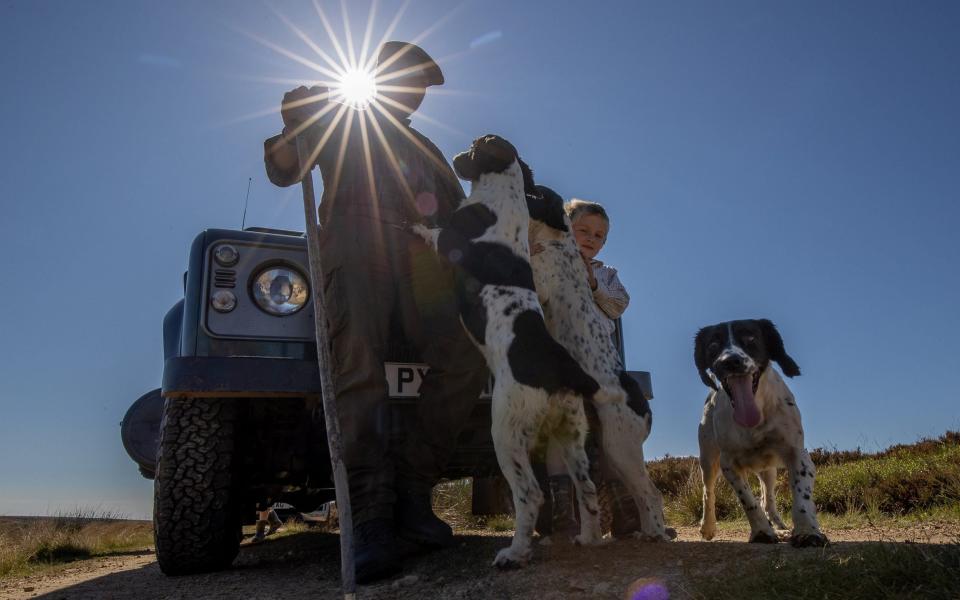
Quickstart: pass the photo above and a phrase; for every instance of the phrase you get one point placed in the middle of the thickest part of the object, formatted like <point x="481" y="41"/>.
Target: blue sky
<point x="795" y="161"/>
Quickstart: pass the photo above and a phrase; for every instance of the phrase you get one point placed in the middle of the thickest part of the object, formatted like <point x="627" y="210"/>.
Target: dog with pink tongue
<point x="751" y="425"/>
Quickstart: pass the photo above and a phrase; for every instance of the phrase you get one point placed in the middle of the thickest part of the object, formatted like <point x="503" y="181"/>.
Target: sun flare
<point x="356" y="89"/>
<point x="352" y="79"/>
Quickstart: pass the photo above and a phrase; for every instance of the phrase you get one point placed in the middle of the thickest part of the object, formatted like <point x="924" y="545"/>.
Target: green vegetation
<point x="30" y="543"/>
<point x="903" y="480"/>
<point x="873" y="571"/>
<point x="500" y="523"/>
<point x="894" y="483"/>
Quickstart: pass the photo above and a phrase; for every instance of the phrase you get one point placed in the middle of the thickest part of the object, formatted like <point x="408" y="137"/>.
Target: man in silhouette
<point x="379" y="174"/>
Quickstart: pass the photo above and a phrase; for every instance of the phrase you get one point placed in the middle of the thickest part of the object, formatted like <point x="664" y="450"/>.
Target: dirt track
<point x="306" y="565"/>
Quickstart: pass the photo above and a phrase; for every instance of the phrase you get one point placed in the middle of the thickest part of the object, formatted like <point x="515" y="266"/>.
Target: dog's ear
<point x="529" y="185"/>
<point x="546" y="206"/>
<point x="774" y="344"/>
<point x="700" y="357"/>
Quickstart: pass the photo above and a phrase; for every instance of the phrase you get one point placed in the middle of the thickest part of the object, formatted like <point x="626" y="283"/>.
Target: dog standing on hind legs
<point x="537" y="382"/>
<point x="751" y="424"/>
<point x="574" y="319"/>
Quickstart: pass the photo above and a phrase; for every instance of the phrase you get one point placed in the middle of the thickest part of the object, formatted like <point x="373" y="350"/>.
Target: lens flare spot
<point x="427" y="204"/>
<point x="647" y="588"/>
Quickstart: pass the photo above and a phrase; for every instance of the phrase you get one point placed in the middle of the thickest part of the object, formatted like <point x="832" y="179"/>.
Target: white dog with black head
<point x="538" y="386"/>
<point x="751" y="424"/>
<point x="575" y="320"/>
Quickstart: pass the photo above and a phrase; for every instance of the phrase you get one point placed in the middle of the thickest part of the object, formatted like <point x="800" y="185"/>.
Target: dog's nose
<point x="731" y="360"/>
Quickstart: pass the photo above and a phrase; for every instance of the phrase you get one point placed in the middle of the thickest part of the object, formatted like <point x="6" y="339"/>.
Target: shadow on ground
<point x="307" y="565"/>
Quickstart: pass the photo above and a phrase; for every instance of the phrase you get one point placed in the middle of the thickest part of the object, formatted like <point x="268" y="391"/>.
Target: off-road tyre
<point x="196" y="516"/>
<point x="490" y="496"/>
<point x="619" y="515"/>
<point x="605" y="500"/>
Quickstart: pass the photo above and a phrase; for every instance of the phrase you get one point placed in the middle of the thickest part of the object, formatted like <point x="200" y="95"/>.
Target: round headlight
<point x="226" y="255"/>
<point x="280" y="290"/>
<point x="223" y="301"/>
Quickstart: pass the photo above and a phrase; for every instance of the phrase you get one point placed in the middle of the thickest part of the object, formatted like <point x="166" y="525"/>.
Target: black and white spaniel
<point x="574" y="320"/>
<point x="538" y="386"/>
<point x="751" y="424"/>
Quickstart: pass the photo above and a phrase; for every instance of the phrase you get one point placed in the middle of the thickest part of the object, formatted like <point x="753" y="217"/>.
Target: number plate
<point x="404" y="380"/>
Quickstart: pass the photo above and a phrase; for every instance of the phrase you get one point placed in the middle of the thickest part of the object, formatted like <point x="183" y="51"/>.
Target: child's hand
<point x="591" y="279"/>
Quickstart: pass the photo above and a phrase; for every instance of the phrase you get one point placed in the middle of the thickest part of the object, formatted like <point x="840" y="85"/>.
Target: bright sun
<point x="352" y="79"/>
<point x="357" y="89"/>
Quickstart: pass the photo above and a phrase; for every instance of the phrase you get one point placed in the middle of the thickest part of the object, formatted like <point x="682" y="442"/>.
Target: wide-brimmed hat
<point x="412" y="59"/>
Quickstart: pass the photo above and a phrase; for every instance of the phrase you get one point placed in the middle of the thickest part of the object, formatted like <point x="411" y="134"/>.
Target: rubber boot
<point x="417" y="523"/>
<point x="563" y="520"/>
<point x="375" y="550"/>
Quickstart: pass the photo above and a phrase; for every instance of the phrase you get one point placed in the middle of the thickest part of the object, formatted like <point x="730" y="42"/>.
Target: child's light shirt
<point x="610" y="295"/>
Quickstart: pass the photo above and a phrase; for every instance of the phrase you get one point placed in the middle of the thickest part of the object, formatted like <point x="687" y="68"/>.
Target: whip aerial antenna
<point x="246" y="201"/>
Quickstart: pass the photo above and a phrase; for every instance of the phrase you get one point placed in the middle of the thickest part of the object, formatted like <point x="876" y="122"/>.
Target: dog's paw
<point x="764" y="537"/>
<point x="508" y="558"/>
<point x="707" y="531"/>
<point x="808" y="540"/>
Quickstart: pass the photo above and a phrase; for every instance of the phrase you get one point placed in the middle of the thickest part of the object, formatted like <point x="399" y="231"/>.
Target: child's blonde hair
<point x="577" y="207"/>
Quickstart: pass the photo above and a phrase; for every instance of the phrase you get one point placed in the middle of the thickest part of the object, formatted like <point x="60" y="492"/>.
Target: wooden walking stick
<point x="347" y="572"/>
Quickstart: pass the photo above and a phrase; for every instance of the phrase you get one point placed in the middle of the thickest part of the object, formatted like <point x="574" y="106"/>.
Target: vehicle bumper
<point x="257" y="377"/>
<point x="239" y="377"/>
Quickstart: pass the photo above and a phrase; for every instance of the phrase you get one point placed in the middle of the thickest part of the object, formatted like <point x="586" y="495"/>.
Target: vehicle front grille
<point x="225" y="278"/>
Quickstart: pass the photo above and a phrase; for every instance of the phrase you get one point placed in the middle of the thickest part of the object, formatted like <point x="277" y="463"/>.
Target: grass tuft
<point x="53" y="551"/>
<point x="500" y="523"/>
<point x="452" y="502"/>
<point x="29" y="543"/>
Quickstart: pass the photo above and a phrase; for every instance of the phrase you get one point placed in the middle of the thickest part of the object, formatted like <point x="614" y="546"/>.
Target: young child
<point x="591" y="224"/>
